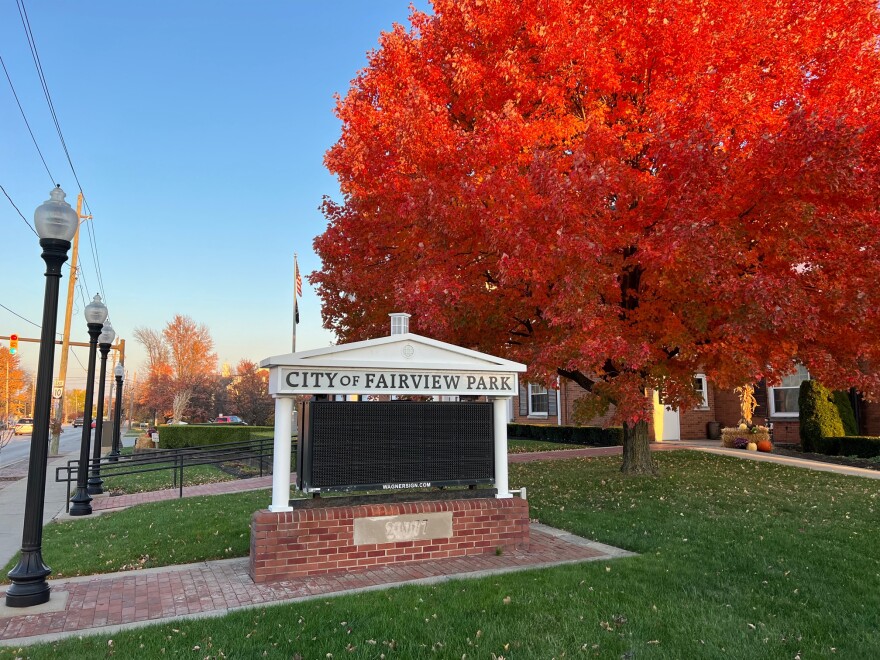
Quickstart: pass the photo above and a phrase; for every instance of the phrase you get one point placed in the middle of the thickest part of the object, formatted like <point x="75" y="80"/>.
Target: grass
<point x="525" y="446"/>
<point x="145" y="482"/>
<point x="177" y="531"/>
<point x="738" y="559"/>
<point x="163" y="479"/>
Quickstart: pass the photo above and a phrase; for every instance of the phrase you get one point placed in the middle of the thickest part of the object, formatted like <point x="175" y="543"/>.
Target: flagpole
<point x="295" y="276"/>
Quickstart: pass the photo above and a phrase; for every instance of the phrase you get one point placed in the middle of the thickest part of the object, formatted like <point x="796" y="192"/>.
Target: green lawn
<point x="738" y="559"/>
<point x="177" y="531"/>
<point x="161" y="479"/>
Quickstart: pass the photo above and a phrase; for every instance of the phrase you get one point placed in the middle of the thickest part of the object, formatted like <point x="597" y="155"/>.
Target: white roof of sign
<point x="406" y="351"/>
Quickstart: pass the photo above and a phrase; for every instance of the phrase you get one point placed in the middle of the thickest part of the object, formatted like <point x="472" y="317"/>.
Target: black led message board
<point x="393" y="445"/>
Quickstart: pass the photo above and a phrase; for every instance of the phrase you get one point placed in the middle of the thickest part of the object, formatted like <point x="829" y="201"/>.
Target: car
<point x="230" y="419"/>
<point x="78" y="422"/>
<point x="24" y="426"/>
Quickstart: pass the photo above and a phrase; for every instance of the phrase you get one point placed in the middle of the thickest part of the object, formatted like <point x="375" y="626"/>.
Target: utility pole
<point x="130" y="393"/>
<point x="65" y="344"/>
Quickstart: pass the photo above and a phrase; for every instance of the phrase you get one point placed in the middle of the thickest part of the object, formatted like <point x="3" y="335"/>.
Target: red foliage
<point x="623" y="190"/>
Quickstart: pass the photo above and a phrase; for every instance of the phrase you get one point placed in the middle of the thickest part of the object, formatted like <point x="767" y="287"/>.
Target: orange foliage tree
<point x="618" y="192"/>
<point x="248" y="394"/>
<point x="15" y="387"/>
<point x="180" y="360"/>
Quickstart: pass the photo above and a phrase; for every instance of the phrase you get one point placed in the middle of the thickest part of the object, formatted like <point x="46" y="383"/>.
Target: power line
<point x="82" y="294"/>
<point x="18" y="315"/>
<point x="25" y="21"/>
<point x="73" y="352"/>
<point x="94" y="246"/>
<point x="26" y="123"/>
<point x="22" y="12"/>
<point x="19" y="211"/>
<point x="36" y="325"/>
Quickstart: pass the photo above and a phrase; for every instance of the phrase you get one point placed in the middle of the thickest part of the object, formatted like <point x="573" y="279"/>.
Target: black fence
<point x="257" y="450"/>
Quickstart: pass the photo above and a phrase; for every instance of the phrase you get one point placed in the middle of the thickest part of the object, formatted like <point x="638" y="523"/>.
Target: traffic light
<point x="13" y="344"/>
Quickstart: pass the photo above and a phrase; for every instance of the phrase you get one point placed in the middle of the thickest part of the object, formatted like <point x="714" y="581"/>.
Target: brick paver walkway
<point x="102" y="603"/>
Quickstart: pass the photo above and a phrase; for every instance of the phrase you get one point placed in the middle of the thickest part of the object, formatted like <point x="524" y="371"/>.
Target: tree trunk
<point x="637" y="450"/>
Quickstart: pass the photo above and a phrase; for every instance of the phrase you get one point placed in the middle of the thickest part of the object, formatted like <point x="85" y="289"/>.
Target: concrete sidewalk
<point x="713" y="447"/>
<point x="12" y="499"/>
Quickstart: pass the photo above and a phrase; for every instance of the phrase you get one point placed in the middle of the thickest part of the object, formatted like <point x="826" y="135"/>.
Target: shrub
<point x="590" y="436"/>
<point x="175" y="436"/>
<point x="845" y="410"/>
<point x="818" y="415"/>
<point x="850" y="445"/>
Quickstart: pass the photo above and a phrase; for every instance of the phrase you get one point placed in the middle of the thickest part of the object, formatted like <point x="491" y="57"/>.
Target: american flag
<point x="298" y="279"/>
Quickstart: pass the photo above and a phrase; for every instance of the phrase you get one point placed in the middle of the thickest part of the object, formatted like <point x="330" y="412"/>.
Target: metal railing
<point x="256" y="449"/>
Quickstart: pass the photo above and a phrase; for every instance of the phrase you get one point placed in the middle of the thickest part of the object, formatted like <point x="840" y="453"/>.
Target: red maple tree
<point x="620" y="192"/>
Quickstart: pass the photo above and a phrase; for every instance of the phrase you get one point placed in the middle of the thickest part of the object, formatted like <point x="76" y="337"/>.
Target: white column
<point x="281" y="460"/>
<point x="499" y="408"/>
<point x="558" y="404"/>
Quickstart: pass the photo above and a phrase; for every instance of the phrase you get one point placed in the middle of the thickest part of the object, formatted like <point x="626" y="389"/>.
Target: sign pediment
<point x="398" y="364"/>
<point x="407" y="351"/>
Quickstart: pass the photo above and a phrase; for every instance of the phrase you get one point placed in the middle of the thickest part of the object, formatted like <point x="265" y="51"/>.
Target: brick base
<point x="321" y="540"/>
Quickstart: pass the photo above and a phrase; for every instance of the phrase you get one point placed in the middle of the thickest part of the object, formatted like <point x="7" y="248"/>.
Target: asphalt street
<point x="19" y="446"/>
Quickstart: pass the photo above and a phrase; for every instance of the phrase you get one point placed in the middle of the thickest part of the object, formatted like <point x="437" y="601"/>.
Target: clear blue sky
<point x="197" y="130"/>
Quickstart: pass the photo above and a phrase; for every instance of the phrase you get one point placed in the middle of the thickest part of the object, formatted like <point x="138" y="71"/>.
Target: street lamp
<point x="119" y="372"/>
<point x="80" y="503"/>
<point x="56" y="225"/>
<point x="105" y="339"/>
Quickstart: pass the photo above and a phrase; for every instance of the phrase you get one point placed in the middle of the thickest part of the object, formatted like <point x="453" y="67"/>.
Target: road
<point x="19" y="447"/>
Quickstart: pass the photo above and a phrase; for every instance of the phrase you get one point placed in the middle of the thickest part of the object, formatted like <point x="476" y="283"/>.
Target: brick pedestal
<point x="322" y="540"/>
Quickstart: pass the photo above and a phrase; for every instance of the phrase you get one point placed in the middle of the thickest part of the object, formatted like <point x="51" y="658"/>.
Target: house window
<point x="784" y="398"/>
<point x="539" y="404"/>
<point x="702" y="388"/>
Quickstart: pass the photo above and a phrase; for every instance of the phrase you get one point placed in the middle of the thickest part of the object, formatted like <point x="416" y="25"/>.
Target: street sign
<point x="58" y="389"/>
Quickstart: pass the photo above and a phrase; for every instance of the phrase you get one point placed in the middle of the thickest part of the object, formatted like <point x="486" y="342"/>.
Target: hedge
<point x="845" y="410"/>
<point x="592" y="436"/>
<point x="850" y="445"/>
<point x="819" y="417"/>
<point x="175" y="436"/>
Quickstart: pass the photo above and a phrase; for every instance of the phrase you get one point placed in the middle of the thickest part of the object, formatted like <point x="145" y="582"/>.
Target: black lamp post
<point x="119" y="372"/>
<point x="56" y="225"/>
<point x="81" y="502"/>
<point x="105" y="339"/>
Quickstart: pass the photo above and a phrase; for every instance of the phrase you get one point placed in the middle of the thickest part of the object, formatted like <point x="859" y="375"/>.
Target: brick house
<point x="776" y="405"/>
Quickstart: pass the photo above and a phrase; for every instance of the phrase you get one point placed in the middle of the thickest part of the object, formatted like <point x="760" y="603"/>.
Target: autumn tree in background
<point x="74" y="404"/>
<point x="618" y="192"/>
<point x="248" y="395"/>
<point x="15" y="387"/>
<point x="182" y="367"/>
